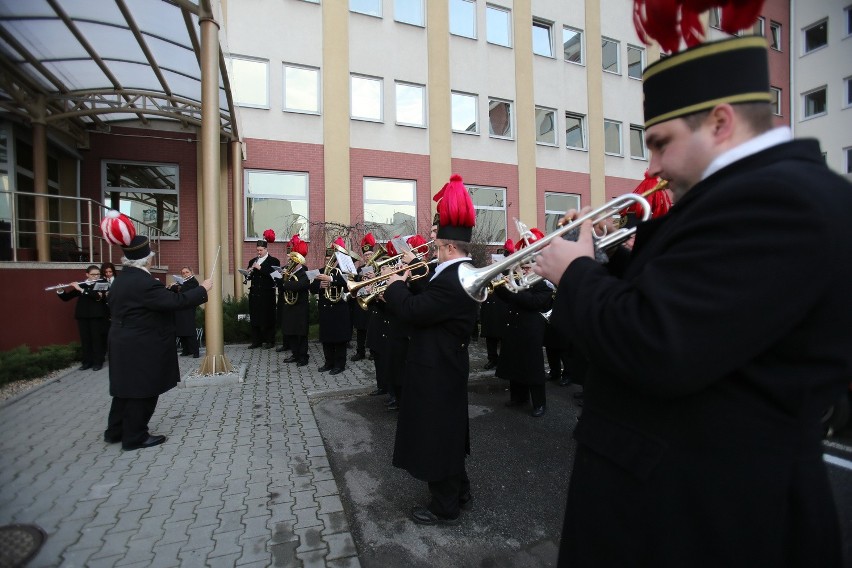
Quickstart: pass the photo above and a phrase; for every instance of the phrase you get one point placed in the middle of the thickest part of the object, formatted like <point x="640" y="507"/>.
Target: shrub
<point x="20" y="363"/>
<point x="235" y="331"/>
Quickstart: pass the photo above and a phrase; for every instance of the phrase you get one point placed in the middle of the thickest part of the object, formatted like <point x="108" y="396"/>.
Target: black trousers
<point x="298" y="344"/>
<point x="335" y="354"/>
<point x="189" y="344"/>
<point x="261" y="335"/>
<point x="128" y="419"/>
<point x="447" y="493"/>
<point x="558" y="360"/>
<point x="92" y="339"/>
<point x="361" y="341"/>
<point x="522" y="392"/>
<point x="492" y="344"/>
<point x="382" y="363"/>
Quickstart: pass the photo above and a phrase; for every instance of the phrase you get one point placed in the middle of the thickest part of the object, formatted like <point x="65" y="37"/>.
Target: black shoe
<point x="370" y="356"/>
<point x="390" y="401"/>
<point x="290" y="359"/>
<point x="491" y="364"/>
<point x="466" y="501"/>
<point x="578" y="395"/>
<point x="111" y="439"/>
<point x="423" y="516"/>
<point x="565" y="381"/>
<point x="280" y="349"/>
<point x="150" y="442"/>
<point x="537" y="411"/>
<point x="514" y="403"/>
<point x="377" y="392"/>
<point x="552" y="377"/>
<point x="302" y="363"/>
<point x="337" y="370"/>
<point x="393" y="405"/>
<point x="185" y="354"/>
<point x="358" y="357"/>
<point x="254" y="346"/>
<point x="195" y="355"/>
<point x="85" y="366"/>
<point x="97" y="367"/>
<point x="268" y="345"/>
<point x="324" y="368"/>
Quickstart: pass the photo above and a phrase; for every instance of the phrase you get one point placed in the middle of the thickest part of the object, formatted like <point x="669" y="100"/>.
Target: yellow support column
<point x="525" y="113"/>
<point x="335" y="108"/>
<point x="439" y="112"/>
<point x="594" y="82"/>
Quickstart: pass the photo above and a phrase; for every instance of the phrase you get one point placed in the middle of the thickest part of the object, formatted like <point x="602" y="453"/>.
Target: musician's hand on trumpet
<point x="554" y="259"/>
<point x="398" y="277"/>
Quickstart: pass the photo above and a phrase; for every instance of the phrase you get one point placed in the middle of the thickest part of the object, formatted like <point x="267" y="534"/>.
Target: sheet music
<point x="311" y="274"/>
<point x="101" y="286"/>
<point x="178" y="279"/>
<point x="244" y="272"/>
<point x="400" y="245"/>
<point x="345" y="264"/>
<point x="497" y="257"/>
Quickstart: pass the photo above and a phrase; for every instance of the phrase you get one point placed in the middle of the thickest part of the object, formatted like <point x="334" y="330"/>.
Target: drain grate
<point x="19" y="543"/>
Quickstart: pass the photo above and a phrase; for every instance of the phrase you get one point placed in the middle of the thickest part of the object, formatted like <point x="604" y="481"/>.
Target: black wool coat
<point x="360" y="318"/>
<point x="185" y="319"/>
<point x="432" y="435"/>
<point x="521" y="356"/>
<point x="493" y="313"/>
<point x="335" y="325"/>
<point x="90" y="304"/>
<point x="262" y="293"/>
<point x="712" y="360"/>
<point x="142" y="357"/>
<point x="294" y="317"/>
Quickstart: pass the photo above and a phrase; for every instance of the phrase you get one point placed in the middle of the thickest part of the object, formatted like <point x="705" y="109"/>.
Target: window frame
<point x="848" y="20"/>
<point x="778" y="107"/>
<point x="374" y="227"/>
<point x="422" y="22"/>
<point x="805" y="115"/>
<point x="641" y="61"/>
<point x="806" y="29"/>
<point x="283" y="235"/>
<point x="620" y="153"/>
<point x="284" y="107"/>
<point x="617" y="43"/>
<point x="106" y="190"/>
<point x="552" y="112"/>
<point x="377" y="3"/>
<point x="583" y="130"/>
<point x="714" y="18"/>
<point x="761" y="23"/>
<point x="423" y="104"/>
<point x="847" y="151"/>
<point x="508" y="12"/>
<point x="476" y="111"/>
<point x="773" y="26"/>
<point x="472" y="5"/>
<point x="547" y="229"/>
<point x="477" y="208"/>
<point x="511" y="136"/>
<point x="637" y="128"/>
<point x="543" y="24"/>
<point x="582" y="61"/>
<point x="265" y="63"/>
<point x="381" y="83"/>
<point x="847" y="92"/>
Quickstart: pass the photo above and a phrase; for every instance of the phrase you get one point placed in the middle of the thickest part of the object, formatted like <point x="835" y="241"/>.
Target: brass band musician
<point x="335" y="328"/>
<point x="293" y="286"/>
<point x="262" y="293"/>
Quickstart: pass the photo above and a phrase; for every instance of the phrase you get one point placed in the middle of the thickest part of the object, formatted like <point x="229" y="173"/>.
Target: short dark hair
<point x="757" y="115"/>
<point x="463" y="246"/>
<point x="91" y="266"/>
<point x="106" y="265"/>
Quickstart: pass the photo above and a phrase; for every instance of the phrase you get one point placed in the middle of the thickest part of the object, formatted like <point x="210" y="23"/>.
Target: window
<point x="610" y="55"/>
<point x="464" y="114"/>
<point x="366" y="98"/>
<point x="635" y="61"/>
<point x="389" y="207"/>
<point x="410" y="104"/>
<point x="147" y="192"/>
<point x="572" y="45"/>
<point x="847" y="92"/>
<point x="555" y="207"/>
<point x="847" y="11"/>
<point x="542" y="41"/>
<point x="277" y="200"/>
<point x="776" y="100"/>
<point x="250" y="78"/>
<point x="612" y="137"/>
<point x="463" y="18"/>
<point x="490" y="205"/>
<point x="408" y="12"/>
<point x="757" y="28"/>
<point x="498" y="26"/>
<point x="815" y="103"/>
<point x="301" y="89"/>
<point x="637" y="142"/>
<point x="775" y="35"/>
<point x="848" y="153"/>
<point x="816" y="36"/>
<point x="369" y="7"/>
<point x="499" y="118"/>
<point x="575" y="131"/>
<point x="545" y="126"/>
<point x="715" y="20"/>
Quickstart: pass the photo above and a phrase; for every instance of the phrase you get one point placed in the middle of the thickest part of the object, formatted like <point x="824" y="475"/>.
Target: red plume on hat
<point x="340" y="242"/>
<point x="457" y="215"/>
<point x="269" y="235"/>
<point x="391" y="250"/>
<point x="298" y="245"/>
<point x="529" y="238"/>
<point x="417" y="242"/>
<point x="509" y="246"/>
<point x="659" y="200"/>
<point x="368" y="242"/>
<point x="670" y="21"/>
<point x="118" y="228"/>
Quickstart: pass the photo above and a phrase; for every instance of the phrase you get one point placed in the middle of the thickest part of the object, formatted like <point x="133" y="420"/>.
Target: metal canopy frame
<point x="75" y="65"/>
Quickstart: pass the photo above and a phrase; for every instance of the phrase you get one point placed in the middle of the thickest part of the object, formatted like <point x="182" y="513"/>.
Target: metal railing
<point x="19" y="235"/>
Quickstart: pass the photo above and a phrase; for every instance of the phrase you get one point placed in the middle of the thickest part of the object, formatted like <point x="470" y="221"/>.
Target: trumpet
<point x="391" y="260"/>
<point x="477" y="281"/>
<point x="379" y="283"/>
<point x="332" y="294"/>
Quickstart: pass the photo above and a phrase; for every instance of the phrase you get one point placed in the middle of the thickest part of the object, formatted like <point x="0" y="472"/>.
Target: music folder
<point x="244" y="272"/>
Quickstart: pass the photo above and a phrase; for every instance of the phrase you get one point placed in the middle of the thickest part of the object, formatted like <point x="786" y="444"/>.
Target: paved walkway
<point x="243" y="479"/>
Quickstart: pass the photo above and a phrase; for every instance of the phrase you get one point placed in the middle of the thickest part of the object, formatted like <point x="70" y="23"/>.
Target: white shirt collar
<point x="260" y="259"/>
<point x="446" y="263"/>
<point x="757" y="144"/>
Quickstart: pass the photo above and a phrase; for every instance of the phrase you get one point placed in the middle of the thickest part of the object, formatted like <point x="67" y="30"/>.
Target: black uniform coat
<point x="432" y="429"/>
<point x="335" y="325"/>
<point x="90" y="304"/>
<point x="521" y="358"/>
<point x="185" y="319"/>
<point x="492" y="317"/>
<point x="712" y="360"/>
<point x="142" y="357"/>
<point x="262" y="293"/>
<point x="360" y="318"/>
<point x="295" y="316"/>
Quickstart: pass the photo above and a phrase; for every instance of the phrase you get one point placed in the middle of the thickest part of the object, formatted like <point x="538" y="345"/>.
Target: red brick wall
<point x="779" y="61"/>
<point x="616" y="186"/>
<point x="557" y="181"/>
<point x="475" y="172"/>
